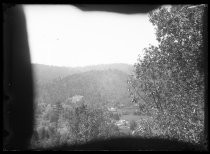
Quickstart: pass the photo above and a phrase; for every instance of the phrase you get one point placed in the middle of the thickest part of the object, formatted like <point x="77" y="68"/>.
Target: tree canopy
<point x="169" y="76"/>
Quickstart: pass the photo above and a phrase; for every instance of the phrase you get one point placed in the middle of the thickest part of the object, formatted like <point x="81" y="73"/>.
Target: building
<point x="112" y="109"/>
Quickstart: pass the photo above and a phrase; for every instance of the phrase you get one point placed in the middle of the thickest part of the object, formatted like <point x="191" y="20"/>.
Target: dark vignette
<point x="18" y="88"/>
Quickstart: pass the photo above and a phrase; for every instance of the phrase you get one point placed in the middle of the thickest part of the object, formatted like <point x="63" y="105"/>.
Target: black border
<point x="21" y="116"/>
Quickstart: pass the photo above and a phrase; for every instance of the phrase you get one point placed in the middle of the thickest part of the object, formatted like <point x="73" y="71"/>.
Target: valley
<point x="102" y="87"/>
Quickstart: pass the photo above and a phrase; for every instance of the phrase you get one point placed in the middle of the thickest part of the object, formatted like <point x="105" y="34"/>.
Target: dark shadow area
<point x="131" y="143"/>
<point x="18" y="88"/>
<point x="118" y="8"/>
<point x="204" y="68"/>
<point x="18" y="81"/>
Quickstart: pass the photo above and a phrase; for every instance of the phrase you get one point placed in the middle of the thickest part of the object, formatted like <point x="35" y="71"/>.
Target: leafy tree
<point x="57" y="111"/>
<point x="87" y="123"/>
<point x="169" y="79"/>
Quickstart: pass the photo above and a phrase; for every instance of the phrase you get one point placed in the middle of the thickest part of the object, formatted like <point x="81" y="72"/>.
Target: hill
<point x="45" y="74"/>
<point x="104" y="86"/>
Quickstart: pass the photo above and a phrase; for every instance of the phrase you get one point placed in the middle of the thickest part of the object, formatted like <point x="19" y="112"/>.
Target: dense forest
<point x="95" y="86"/>
<point x="162" y="95"/>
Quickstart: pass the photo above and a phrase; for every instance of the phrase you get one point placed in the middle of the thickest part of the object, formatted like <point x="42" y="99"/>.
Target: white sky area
<point x="63" y="35"/>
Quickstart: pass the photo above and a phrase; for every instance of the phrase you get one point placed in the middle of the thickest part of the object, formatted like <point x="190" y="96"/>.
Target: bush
<point x="90" y="123"/>
<point x="79" y="124"/>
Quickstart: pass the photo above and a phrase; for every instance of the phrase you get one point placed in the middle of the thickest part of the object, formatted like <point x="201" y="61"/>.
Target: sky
<point x="63" y="35"/>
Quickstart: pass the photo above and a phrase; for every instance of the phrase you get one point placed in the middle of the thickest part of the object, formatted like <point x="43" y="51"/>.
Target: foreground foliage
<point x="168" y="82"/>
<point x="72" y="124"/>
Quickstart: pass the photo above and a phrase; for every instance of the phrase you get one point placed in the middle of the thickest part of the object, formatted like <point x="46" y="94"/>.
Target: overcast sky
<point x="66" y="36"/>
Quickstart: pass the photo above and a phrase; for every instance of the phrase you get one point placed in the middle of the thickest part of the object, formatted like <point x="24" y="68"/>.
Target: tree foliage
<point x="169" y="78"/>
<point x="72" y="123"/>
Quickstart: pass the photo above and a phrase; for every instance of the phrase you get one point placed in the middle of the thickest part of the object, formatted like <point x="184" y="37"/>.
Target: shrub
<point x="76" y="125"/>
<point x="91" y="123"/>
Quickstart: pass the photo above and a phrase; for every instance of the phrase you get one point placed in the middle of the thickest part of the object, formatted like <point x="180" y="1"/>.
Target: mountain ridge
<point x="97" y="86"/>
<point x="47" y="73"/>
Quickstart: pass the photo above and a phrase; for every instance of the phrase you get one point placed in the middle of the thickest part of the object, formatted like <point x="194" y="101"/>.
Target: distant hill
<point x="44" y="73"/>
<point x="126" y="68"/>
<point x="97" y="86"/>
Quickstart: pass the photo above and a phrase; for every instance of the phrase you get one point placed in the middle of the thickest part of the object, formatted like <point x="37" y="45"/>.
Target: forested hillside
<point x="45" y="73"/>
<point x="108" y="86"/>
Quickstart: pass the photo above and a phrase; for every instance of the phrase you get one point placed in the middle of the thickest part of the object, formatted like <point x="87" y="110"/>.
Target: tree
<point x="88" y="123"/>
<point x="57" y="112"/>
<point x="169" y="78"/>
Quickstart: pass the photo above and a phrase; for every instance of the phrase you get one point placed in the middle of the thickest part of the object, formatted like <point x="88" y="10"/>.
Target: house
<point x="122" y="123"/>
<point x="76" y="98"/>
<point x="121" y="105"/>
<point x="112" y="109"/>
<point x="73" y="99"/>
